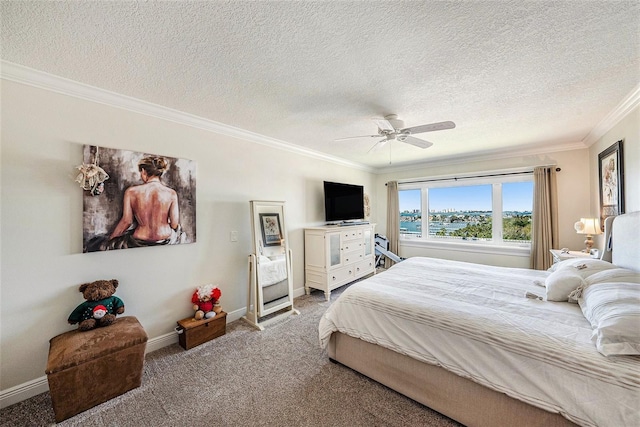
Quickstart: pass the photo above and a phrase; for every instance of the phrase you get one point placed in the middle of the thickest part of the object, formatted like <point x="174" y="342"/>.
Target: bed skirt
<point x="456" y="397"/>
<point x="275" y="291"/>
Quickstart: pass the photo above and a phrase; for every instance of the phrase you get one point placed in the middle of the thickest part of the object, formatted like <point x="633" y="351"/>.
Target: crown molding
<point x="486" y="156"/>
<point x="628" y="104"/>
<point x="610" y="120"/>
<point x="29" y="76"/>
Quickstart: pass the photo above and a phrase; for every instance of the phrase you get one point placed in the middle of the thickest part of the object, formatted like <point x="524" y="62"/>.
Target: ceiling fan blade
<point x="429" y="128"/>
<point x="383" y="124"/>
<point x="417" y="142"/>
<point x="378" y="145"/>
<point x="354" y="137"/>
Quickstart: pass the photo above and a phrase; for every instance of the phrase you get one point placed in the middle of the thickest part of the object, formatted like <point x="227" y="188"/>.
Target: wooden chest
<point x="193" y="332"/>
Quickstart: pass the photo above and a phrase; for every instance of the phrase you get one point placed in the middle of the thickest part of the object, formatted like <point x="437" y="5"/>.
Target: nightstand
<point x="558" y="255"/>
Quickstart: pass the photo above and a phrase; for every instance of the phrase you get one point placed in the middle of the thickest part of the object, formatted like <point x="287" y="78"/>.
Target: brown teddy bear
<point x="100" y="307"/>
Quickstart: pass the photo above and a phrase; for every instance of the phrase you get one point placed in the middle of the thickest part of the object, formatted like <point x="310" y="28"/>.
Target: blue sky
<point x="517" y="196"/>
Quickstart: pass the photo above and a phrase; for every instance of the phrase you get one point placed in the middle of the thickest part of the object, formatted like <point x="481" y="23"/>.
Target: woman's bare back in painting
<point x="153" y="205"/>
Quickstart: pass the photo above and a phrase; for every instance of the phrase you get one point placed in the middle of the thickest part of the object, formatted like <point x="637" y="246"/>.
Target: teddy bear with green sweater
<point x="100" y="307"/>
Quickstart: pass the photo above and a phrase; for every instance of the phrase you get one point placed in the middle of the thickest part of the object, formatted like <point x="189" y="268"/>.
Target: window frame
<point x="496" y="245"/>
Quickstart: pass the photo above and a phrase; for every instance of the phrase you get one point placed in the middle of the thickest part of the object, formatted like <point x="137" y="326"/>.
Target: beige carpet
<point x="278" y="377"/>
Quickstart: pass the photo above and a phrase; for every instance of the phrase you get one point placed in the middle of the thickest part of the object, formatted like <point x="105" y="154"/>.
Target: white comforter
<point x="475" y="321"/>
<point x="272" y="271"/>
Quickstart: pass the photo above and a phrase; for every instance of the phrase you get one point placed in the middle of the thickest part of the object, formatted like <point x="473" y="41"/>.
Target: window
<point x="410" y="213"/>
<point x="517" y="204"/>
<point x="494" y="210"/>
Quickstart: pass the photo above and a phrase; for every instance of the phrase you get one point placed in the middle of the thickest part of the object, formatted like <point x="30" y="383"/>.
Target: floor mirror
<point x="270" y="293"/>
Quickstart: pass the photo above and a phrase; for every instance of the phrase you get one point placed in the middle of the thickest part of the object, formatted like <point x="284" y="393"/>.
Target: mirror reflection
<point x="270" y="278"/>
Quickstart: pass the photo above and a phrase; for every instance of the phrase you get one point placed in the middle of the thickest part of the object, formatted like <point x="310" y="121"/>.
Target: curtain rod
<point x="469" y="177"/>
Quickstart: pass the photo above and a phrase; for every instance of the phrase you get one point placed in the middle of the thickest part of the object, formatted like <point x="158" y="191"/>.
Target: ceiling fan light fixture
<point x="397" y="124"/>
<point x="391" y="128"/>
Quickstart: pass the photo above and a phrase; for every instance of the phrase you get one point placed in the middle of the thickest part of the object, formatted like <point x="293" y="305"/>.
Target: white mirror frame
<point x="270" y="274"/>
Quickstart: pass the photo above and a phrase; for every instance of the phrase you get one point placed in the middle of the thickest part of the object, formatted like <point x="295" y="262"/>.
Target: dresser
<point x="337" y="255"/>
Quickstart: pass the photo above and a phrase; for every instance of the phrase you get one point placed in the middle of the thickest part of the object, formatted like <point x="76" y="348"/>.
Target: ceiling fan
<point x="391" y="128"/>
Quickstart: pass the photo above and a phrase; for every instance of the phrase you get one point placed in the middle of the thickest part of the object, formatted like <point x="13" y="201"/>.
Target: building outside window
<point x="483" y="210"/>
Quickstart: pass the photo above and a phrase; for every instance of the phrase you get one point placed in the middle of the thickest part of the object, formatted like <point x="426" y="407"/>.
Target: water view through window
<point x="465" y="212"/>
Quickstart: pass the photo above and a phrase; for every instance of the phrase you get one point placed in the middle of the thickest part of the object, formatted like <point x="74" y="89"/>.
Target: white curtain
<point x="544" y="227"/>
<point x="393" y="220"/>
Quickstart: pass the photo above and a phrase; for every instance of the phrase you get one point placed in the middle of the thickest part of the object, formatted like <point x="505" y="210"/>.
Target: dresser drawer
<point x="352" y="245"/>
<point x="353" y="256"/>
<point x="365" y="266"/>
<point x="341" y="275"/>
<point x="352" y="234"/>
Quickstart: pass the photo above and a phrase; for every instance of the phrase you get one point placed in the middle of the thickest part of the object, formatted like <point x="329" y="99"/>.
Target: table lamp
<point x="588" y="226"/>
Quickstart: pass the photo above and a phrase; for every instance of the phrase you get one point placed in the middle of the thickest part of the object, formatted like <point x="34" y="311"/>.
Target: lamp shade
<point x="588" y="226"/>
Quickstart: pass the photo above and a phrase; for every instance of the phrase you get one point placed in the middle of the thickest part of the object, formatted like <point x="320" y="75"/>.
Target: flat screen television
<point x="343" y="202"/>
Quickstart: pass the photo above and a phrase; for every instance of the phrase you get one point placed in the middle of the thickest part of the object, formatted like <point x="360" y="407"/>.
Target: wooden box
<point x="193" y="332"/>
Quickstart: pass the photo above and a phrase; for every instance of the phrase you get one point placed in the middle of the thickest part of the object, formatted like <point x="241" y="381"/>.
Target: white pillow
<point x="591" y="265"/>
<point x="613" y="309"/>
<point x="570" y="274"/>
<point x="613" y="275"/>
<point x="561" y="283"/>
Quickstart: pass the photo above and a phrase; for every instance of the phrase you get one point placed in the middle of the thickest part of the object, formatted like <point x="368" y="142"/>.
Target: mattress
<point x="272" y="270"/>
<point x="475" y="321"/>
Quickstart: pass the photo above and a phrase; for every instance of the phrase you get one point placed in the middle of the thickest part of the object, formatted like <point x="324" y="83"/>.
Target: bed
<point x="487" y="346"/>
<point x="273" y="277"/>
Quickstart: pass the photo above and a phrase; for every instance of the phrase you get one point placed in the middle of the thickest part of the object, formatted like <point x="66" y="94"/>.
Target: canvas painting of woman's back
<point x="147" y="200"/>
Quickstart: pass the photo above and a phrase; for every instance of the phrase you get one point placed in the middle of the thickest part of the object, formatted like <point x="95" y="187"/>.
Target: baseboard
<point x="23" y="391"/>
<point x="40" y="385"/>
<point x="298" y="292"/>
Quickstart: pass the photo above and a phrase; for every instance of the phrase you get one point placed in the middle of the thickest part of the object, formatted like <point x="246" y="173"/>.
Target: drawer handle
<point x="334" y="277"/>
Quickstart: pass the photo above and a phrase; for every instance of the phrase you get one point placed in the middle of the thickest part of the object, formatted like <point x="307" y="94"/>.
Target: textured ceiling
<point x="513" y="75"/>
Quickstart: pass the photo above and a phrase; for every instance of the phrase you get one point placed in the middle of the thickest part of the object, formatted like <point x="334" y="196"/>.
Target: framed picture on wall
<point x="119" y="214"/>
<point x="611" y="177"/>
<point x="271" y="230"/>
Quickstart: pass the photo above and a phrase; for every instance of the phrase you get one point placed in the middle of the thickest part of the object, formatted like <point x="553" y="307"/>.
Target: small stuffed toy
<point x="205" y="301"/>
<point x="99" y="311"/>
<point x="100" y="307"/>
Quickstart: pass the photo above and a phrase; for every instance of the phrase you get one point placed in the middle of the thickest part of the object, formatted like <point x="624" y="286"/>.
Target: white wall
<point x="573" y="195"/>
<point x="627" y="129"/>
<point x="42" y="262"/>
